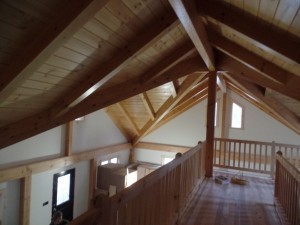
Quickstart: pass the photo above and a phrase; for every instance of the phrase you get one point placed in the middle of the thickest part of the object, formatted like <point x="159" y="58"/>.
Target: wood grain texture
<point x="251" y="204"/>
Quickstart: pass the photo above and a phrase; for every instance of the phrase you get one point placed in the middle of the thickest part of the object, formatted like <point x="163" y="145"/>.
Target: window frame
<point x="242" y="116"/>
<point x="109" y="160"/>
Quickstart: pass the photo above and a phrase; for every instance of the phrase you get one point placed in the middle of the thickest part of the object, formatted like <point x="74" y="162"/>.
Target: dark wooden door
<point x="63" y="193"/>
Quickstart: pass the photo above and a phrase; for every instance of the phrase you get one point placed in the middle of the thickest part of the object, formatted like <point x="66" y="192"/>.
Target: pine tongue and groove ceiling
<point x="143" y="61"/>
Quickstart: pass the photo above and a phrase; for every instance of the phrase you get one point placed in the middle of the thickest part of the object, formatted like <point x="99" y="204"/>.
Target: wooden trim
<point x="25" y="198"/>
<point x="173" y="89"/>
<point x="129" y="119"/>
<point x="170" y="61"/>
<point x="148" y="105"/>
<point x="187" y="13"/>
<point x="29" y="169"/>
<point x="104" y="73"/>
<point x="238" y="69"/>
<point x="69" y="138"/>
<point x="169" y="104"/>
<point x="44" y="121"/>
<point x="131" y="155"/>
<point x="47" y="42"/>
<point x="260" y="34"/>
<point x="162" y="147"/>
<point x="249" y="59"/>
<point x="210" y="130"/>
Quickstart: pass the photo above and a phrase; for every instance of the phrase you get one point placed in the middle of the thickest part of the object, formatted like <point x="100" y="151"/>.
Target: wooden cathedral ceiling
<point x="144" y="61"/>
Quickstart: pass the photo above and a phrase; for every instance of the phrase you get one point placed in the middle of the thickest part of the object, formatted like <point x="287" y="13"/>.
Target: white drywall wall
<point x="185" y="130"/>
<point x="41" y="191"/>
<point x="42" y="145"/>
<point x="12" y="202"/>
<point x="259" y="126"/>
<point x="152" y="156"/>
<point x="190" y="127"/>
<point x="95" y="131"/>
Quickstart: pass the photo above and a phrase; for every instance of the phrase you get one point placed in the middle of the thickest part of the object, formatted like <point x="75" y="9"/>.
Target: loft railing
<point x="161" y="197"/>
<point x="252" y="156"/>
<point x="287" y="189"/>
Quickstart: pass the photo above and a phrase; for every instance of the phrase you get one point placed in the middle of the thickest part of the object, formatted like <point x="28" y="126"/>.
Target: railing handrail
<point x="249" y="155"/>
<point x="168" y="188"/>
<point x="287" y="184"/>
<point x="289" y="167"/>
<point x="135" y="189"/>
<point x="258" y="142"/>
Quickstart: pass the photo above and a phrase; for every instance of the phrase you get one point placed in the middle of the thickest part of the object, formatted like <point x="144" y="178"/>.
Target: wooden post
<point x="224" y="128"/>
<point x="210" y="126"/>
<point x="92" y="186"/>
<point x="68" y="138"/>
<point x="276" y="192"/>
<point x="25" y="200"/>
<point x="131" y="155"/>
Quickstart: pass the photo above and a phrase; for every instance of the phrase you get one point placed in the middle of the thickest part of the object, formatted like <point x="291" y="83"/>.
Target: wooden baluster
<point x="244" y="156"/>
<point x="234" y="144"/>
<point x="278" y="178"/>
<point x="254" y="156"/>
<point x="239" y="162"/>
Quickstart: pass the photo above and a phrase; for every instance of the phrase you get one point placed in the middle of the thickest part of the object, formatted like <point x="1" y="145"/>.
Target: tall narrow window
<point x="216" y="114"/>
<point x="236" y="116"/>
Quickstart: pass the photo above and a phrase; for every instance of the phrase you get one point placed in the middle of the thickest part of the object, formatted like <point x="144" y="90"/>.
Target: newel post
<point x="276" y="192"/>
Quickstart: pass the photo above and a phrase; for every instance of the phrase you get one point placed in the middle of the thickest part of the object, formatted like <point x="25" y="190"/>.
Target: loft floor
<point x="233" y="204"/>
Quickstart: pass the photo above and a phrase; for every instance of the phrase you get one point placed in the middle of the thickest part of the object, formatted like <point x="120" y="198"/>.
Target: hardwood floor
<point x="233" y="204"/>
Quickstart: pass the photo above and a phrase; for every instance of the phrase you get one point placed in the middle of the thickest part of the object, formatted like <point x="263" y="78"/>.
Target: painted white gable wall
<point x="259" y="126"/>
<point x="96" y="131"/>
<point x="190" y="127"/>
<point x="43" y="145"/>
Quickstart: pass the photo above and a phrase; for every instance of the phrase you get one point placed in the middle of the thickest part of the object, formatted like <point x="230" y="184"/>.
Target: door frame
<point x="68" y="212"/>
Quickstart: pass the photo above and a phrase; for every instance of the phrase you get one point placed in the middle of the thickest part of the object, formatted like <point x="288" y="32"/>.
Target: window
<point x="237" y="112"/>
<point x="216" y="114"/>
<point x="111" y="160"/>
<point x="114" y="160"/>
<point x="104" y="162"/>
<point x="63" y="189"/>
